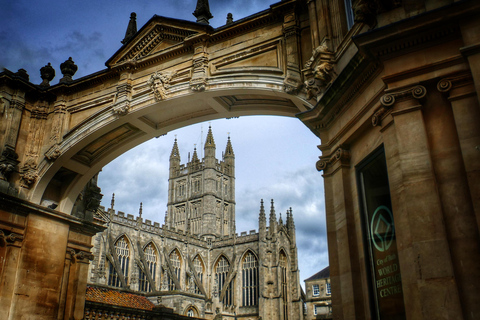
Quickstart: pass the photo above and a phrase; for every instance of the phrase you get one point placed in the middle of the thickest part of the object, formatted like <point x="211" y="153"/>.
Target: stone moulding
<point x="389" y="99"/>
<point x="340" y="154"/>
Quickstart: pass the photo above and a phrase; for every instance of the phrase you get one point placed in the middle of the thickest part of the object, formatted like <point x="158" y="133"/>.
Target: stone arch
<point x="242" y="256"/>
<point x="194" y="309"/>
<point x="78" y="160"/>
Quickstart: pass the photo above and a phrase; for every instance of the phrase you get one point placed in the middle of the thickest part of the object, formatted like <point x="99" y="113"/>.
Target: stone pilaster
<point x="423" y="249"/>
<point x="342" y="235"/>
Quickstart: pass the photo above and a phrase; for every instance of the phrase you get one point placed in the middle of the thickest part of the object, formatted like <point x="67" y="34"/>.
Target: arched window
<point x="177" y="266"/>
<point x="123" y="253"/>
<point x="250" y="280"/>
<point x="191" y="313"/>
<point x="221" y="273"/>
<point x="283" y="283"/>
<point x="199" y="269"/>
<point x="150" y="255"/>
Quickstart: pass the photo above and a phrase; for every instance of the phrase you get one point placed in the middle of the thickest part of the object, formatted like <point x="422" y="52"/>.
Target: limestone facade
<point x="195" y="263"/>
<point x="318" y="296"/>
<point x="390" y="88"/>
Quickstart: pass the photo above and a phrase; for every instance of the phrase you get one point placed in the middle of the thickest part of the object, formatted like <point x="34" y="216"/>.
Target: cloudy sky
<point x="275" y="156"/>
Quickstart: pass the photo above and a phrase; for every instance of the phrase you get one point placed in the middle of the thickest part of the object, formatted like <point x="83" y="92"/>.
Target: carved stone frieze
<point x="159" y="83"/>
<point x="340" y="154"/>
<point x="389" y="99"/>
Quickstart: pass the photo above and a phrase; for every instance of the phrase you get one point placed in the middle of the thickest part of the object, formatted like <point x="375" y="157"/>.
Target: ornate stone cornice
<point x="340" y="154"/>
<point x="389" y="99"/>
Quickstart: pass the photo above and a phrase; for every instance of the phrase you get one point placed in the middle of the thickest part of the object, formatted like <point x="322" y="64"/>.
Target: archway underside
<point x="103" y="135"/>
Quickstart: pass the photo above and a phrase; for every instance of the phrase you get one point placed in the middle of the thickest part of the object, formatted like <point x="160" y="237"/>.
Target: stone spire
<point x="273" y="219"/>
<point x="280" y="221"/>
<point x="262" y="218"/>
<point x="112" y="203"/>
<point x="195" y="156"/>
<point x="174" y="159"/>
<point x="140" y="211"/>
<point x="131" y="29"/>
<point x="290" y="223"/>
<point x="202" y="12"/>
<point x="209" y="150"/>
<point x="175" y="154"/>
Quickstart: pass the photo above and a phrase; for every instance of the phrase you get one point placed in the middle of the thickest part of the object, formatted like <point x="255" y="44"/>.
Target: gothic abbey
<point x="195" y="263"/>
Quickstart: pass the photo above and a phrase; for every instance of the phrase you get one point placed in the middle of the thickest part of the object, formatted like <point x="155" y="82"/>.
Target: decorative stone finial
<point x="131" y="29"/>
<point x="229" y="18"/>
<point x="68" y="69"/>
<point x="112" y="203"/>
<point x="202" y="12"/>
<point x="47" y="73"/>
<point x="140" y="211"/>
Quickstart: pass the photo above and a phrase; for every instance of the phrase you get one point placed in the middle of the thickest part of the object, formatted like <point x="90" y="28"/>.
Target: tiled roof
<point x="322" y="274"/>
<point x="117" y="298"/>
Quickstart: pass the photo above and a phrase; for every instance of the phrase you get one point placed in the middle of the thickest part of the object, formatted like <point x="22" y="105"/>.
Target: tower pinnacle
<point x="131" y="29"/>
<point x="202" y="12"/>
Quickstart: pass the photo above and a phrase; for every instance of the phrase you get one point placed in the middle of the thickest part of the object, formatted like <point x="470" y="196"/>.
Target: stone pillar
<point x="428" y="278"/>
<point x="10" y="250"/>
<point x="459" y="177"/>
<point x="342" y="238"/>
<point x="40" y="269"/>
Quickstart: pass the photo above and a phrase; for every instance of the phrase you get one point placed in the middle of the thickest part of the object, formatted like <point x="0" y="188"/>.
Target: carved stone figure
<point x="159" y="83"/>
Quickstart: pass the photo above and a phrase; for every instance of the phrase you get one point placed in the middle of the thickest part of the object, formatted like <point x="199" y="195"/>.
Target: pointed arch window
<point x="123" y="253"/>
<point x="199" y="270"/>
<point x="249" y="280"/>
<point x="283" y="283"/>
<point x="150" y="255"/>
<point x="176" y="263"/>
<point x="221" y="273"/>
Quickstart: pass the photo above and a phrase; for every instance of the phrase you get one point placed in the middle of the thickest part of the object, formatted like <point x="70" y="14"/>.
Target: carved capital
<point x="446" y="84"/>
<point x="389" y="99"/>
<point x="342" y="155"/>
<point x="9" y="238"/>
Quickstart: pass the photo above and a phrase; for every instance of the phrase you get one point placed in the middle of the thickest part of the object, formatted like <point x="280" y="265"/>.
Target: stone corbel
<point x="159" y="83"/>
<point x="389" y="99"/>
<point x="341" y="155"/>
<point x="79" y="255"/>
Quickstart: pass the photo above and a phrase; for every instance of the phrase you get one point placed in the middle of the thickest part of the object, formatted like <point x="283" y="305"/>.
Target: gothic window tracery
<point x="199" y="270"/>
<point x="221" y="273"/>
<point x="151" y="260"/>
<point x="250" y="280"/>
<point x="123" y="253"/>
<point x="176" y="263"/>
